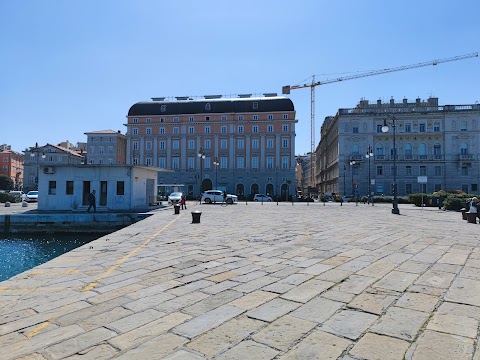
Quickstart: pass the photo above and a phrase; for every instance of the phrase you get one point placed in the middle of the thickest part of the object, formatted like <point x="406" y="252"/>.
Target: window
<point x="191" y="118"/>
<point x="285" y="116"/>
<point x="52" y="188"/>
<point x="379" y="170"/>
<point x="355" y="149"/>
<point x="101" y="150"/>
<point x="207" y="129"/>
<point x="162" y="120"/>
<point x="207" y="162"/>
<point x="191" y="130"/>
<point x="408" y="170"/>
<point x="436" y="126"/>
<point x="240" y="117"/>
<point x="254" y="162"/>
<point x="162" y="131"/>
<point x="463" y="149"/>
<point x="135" y="121"/>
<point x="191" y="144"/>
<point x="284" y="143"/>
<point x="149" y="120"/>
<point x="148" y="161"/>
<point x="240" y="129"/>
<point x="207" y="118"/>
<point x="208" y="144"/>
<point x="148" y="145"/>
<point x="408" y="127"/>
<point x="175" y="119"/>
<point x="120" y="187"/>
<point x="135" y="161"/>
<point x="4" y="167"/>
<point x="223" y="129"/>
<point x="270" y="117"/>
<point x="255" y="117"/>
<point x="269" y="128"/>
<point x="208" y="107"/>
<point x="254" y="129"/>
<point x="162" y="145"/>
<point x="162" y="162"/>
<point x="135" y="131"/>
<point x="422" y="127"/>
<point x="176" y="144"/>
<point x="423" y="170"/>
<point x="408" y="150"/>
<point x="163" y="108"/>
<point x="254" y="143"/>
<point x="224" y="117"/>
<point x="191" y="162"/>
<point x="223" y="162"/>
<point x="379" y="188"/>
<point x="269" y="162"/>
<point x="463" y="125"/>
<point x="270" y="143"/>
<point x="69" y="188"/>
<point x="437" y="149"/>
<point x="255" y="106"/>
<point x="355" y="129"/>
<point x="422" y="149"/>
<point x="438" y="171"/>
<point x="135" y="145"/>
<point x="240" y="143"/>
<point x="464" y="171"/>
<point x="223" y="144"/>
<point x="285" y="162"/>
<point x="110" y="149"/>
<point x="285" y="128"/>
<point x="176" y="130"/>
<point x="408" y="188"/>
<point x="175" y="163"/>
<point x="240" y="162"/>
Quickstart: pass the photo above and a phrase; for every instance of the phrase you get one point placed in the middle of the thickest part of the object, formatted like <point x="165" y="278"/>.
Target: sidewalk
<point x="253" y="281"/>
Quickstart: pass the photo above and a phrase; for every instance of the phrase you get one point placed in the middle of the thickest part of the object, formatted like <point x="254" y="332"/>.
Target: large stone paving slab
<point x="272" y="282"/>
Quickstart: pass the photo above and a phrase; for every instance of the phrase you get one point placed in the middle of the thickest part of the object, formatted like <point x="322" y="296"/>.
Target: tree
<point x="6" y="183"/>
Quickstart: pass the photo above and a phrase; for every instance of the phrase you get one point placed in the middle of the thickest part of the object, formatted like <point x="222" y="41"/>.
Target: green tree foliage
<point x="6" y="183"/>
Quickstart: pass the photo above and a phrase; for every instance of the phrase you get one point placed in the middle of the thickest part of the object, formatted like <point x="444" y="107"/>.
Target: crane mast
<point x="286" y="90"/>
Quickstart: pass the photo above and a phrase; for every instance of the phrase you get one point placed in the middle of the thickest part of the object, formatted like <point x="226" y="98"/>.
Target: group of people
<point x="473" y="205"/>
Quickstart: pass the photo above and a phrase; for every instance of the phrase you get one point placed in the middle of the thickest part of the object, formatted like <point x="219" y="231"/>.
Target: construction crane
<point x="286" y="90"/>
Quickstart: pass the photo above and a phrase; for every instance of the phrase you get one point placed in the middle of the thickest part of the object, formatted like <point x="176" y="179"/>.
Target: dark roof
<point x="240" y="105"/>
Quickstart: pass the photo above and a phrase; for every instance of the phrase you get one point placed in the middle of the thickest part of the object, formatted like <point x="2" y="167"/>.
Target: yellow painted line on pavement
<point x="125" y="258"/>
<point x="39" y="328"/>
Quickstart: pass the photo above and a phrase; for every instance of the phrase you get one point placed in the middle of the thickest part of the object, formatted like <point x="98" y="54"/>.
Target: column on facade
<point x="168" y="164"/>
<point x="155" y="151"/>
<point x="141" y="160"/>
<point x="183" y="151"/>
<point x="278" y="145"/>
<point x="231" y="153"/>
<point x="261" y="166"/>
<point x="247" y="152"/>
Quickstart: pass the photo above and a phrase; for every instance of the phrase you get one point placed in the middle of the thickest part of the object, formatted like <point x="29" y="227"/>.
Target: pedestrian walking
<point x="92" y="202"/>
<point x="224" y="196"/>
<point x="183" y="202"/>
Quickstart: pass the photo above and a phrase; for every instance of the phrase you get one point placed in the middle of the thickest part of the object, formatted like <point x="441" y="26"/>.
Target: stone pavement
<point x="256" y="282"/>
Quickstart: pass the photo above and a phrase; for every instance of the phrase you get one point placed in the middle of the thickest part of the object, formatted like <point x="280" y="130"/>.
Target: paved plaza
<point x="253" y="281"/>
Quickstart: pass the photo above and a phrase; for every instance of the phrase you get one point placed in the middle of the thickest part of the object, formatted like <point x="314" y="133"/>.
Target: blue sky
<point x="69" y="67"/>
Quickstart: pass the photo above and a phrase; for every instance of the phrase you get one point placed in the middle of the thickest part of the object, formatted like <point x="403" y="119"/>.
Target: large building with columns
<point x="244" y="145"/>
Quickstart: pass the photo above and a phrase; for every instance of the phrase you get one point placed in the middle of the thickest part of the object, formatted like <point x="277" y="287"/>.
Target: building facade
<point x="106" y="147"/>
<point x="243" y="145"/>
<point x="11" y="165"/>
<point x="436" y="148"/>
<point x="49" y="156"/>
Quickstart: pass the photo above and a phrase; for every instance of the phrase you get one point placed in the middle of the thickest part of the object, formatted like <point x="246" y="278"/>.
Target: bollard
<point x="196" y="217"/>
<point x="7" y="204"/>
<point x="24" y="204"/>
<point x="176" y="208"/>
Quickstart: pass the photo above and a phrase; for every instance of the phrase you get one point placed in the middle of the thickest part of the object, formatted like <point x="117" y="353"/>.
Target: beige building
<point x="436" y="148"/>
<point x="106" y="147"/>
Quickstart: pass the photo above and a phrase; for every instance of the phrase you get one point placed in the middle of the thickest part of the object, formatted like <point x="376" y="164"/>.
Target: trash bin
<point x="196" y="217"/>
<point x="471" y="217"/>
<point x="176" y="207"/>
<point x="464" y="215"/>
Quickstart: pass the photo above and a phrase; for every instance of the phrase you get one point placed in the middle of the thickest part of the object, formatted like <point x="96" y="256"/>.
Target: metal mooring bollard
<point x="176" y="207"/>
<point x="196" y="217"/>
<point x="7" y="204"/>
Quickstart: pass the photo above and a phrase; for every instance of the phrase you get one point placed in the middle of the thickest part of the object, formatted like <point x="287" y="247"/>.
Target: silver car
<point x="175" y="197"/>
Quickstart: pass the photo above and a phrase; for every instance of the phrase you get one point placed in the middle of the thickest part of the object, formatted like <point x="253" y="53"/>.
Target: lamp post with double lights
<point x="368" y="156"/>
<point x="385" y="129"/>
<point x="216" y="163"/>
<point x="201" y="155"/>
<point x="352" y="163"/>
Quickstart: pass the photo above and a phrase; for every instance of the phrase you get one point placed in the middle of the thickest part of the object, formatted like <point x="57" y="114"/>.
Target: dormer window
<point x="163" y="108"/>
<point x="208" y="107"/>
<point x="135" y="120"/>
<point x="255" y="105"/>
<point x="149" y="120"/>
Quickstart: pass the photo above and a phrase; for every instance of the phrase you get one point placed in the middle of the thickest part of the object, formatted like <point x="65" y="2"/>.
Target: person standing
<point x="224" y="196"/>
<point x="92" y="202"/>
<point x="183" y="202"/>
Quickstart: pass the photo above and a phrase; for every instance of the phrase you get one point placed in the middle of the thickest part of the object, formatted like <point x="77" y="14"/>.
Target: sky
<point x="70" y="67"/>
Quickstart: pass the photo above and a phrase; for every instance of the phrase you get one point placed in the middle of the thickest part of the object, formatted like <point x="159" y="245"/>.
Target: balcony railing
<point x="466" y="157"/>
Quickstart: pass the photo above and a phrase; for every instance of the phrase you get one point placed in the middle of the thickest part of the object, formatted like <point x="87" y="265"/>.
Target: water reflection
<point x="21" y="253"/>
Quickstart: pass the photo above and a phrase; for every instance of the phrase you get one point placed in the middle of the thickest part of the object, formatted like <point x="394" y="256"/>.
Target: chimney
<point x="392" y="101"/>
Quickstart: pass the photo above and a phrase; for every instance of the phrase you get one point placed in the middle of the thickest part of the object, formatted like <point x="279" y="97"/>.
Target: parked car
<point x="175" y="197"/>
<point x="346" y="198"/>
<point x="212" y="196"/>
<point x="19" y="195"/>
<point x="261" y="197"/>
<point x="32" y="196"/>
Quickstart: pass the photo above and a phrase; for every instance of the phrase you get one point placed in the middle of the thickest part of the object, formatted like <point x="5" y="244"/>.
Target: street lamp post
<point x="368" y="156"/>
<point x="352" y="163"/>
<point x="385" y="129"/>
<point x="216" y="163"/>
<point x="201" y="155"/>
<point x="344" y="180"/>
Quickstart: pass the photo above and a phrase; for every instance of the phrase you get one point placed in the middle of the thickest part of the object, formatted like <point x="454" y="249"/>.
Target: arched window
<point x="355" y="149"/>
<point x="208" y="106"/>
<point x="379" y="150"/>
<point x="408" y="150"/>
<point x="422" y="149"/>
<point x="464" y="148"/>
<point x="437" y="149"/>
